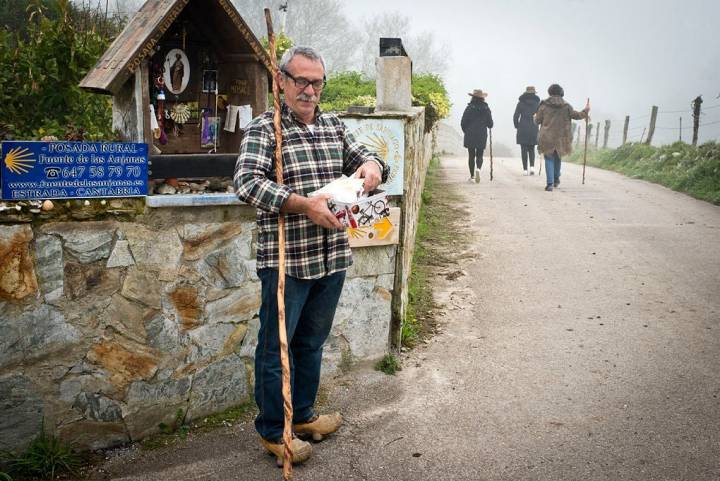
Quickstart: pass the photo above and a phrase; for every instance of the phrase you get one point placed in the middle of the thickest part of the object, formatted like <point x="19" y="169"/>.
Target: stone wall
<point x="109" y="328"/>
<point x="115" y="316"/>
<point x="419" y="148"/>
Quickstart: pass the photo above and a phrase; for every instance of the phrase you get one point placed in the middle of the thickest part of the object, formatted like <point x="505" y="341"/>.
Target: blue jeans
<point x="552" y="168"/>
<point x="309" y="311"/>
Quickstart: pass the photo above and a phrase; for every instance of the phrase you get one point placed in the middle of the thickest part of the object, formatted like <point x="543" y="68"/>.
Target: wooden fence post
<point x="625" y="129"/>
<point x="577" y="142"/>
<point x="696" y="117"/>
<point x="651" y="130"/>
<point x="597" y="135"/>
<point x="680" y="139"/>
<point x="588" y="134"/>
<point x="643" y="134"/>
<point x="606" y="134"/>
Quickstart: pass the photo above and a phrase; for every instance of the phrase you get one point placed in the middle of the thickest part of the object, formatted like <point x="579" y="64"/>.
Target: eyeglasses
<point x="302" y="83"/>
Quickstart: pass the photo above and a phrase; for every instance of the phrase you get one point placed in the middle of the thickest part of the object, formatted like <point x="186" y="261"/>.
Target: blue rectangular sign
<point x="73" y="170"/>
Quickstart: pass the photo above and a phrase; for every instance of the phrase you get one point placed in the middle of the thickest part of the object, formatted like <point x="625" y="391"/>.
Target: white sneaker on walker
<point x="525" y="172"/>
<point x="532" y="171"/>
<point x="477" y="176"/>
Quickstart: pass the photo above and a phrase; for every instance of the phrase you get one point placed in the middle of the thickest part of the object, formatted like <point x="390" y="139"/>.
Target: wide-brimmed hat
<point x="530" y="89"/>
<point x="478" y="93"/>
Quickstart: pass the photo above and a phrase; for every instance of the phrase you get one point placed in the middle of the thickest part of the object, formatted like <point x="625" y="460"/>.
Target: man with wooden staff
<point x="316" y="149"/>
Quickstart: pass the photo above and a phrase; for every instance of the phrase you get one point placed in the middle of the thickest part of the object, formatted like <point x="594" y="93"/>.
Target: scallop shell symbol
<point x="19" y="160"/>
<point x="180" y="113"/>
<point x="378" y="144"/>
<point x="375" y="143"/>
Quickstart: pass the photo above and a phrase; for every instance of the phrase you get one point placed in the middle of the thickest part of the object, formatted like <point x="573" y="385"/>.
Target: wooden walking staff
<point x="491" y="157"/>
<point x="284" y="358"/>
<point x="587" y="106"/>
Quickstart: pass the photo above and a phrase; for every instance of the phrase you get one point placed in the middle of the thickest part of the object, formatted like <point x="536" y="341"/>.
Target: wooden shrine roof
<point x="137" y="42"/>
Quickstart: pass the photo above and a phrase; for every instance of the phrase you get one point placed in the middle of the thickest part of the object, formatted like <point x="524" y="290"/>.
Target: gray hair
<point x="307" y="52"/>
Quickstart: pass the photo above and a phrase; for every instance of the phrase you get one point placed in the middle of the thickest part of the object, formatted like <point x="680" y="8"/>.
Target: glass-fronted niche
<point x="186" y="76"/>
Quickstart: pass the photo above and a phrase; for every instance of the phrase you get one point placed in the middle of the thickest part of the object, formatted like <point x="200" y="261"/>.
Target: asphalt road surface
<point x="580" y="340"/>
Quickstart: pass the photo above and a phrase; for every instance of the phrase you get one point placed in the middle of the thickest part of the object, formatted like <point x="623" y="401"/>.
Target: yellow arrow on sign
<point x="383" y="227"/>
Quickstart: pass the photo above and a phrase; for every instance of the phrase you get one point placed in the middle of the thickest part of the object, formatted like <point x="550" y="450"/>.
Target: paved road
<point x="581" y="345"/>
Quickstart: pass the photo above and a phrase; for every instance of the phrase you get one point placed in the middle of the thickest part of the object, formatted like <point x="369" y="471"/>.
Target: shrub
<point x="40" y="73"/>
<point x="389" y="364"/>
<point x="428" y="90"/>
<point x="345" y="89"/>
<point x="283" y="43"/>
<point x="44" y="457"/>
<point x="353" y="88"/>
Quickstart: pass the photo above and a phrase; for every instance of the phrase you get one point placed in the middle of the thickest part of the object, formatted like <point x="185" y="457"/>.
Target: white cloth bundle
<point x="345" y="189"/>
<point x="239" y="115"/>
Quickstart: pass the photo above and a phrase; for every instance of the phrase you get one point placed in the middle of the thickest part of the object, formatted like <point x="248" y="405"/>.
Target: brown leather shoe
<point x="301" y="450"/>
<point x="319" y="426"/>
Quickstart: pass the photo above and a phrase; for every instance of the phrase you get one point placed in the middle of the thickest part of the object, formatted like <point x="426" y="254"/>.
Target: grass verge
<point x="439" y="230"/>
<point x="679" y="166"/>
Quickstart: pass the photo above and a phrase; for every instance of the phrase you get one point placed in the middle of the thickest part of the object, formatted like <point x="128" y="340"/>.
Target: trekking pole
<point x="491" y="157"/>
<point x="587" y="106"/>
<point x="541" y="162"/>
<point x="284" y="358"/>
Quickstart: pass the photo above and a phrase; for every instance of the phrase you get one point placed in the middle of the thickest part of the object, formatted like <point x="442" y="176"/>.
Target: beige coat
<point x="553" y="116"/>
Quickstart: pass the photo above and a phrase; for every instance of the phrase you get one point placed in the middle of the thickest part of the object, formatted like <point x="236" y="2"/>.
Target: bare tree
<point x="329" y="32"/>
<point x="343" y="45"/>
<point x="427" y="55"/>
<point x="127" y="8"/>
<point x="391" y="24"/>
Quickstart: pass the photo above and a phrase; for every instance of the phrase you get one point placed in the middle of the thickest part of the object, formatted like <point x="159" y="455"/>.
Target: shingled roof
<point x="137" y="42"/>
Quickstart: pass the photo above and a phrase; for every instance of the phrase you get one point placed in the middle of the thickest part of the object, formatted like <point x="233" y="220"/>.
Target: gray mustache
<point x="306" y="98"/>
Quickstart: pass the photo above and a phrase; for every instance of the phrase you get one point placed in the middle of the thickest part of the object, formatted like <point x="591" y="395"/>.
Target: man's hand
<point x="318" y="212"/>
<point x="370" y="171"/>
<point x="315" y="208"/>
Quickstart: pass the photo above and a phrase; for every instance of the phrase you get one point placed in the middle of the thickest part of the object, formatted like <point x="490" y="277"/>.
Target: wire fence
<point x="663" y="132"/>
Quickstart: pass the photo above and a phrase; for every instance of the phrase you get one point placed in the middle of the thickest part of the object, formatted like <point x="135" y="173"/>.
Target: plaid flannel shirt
<point x="310" y="161"/>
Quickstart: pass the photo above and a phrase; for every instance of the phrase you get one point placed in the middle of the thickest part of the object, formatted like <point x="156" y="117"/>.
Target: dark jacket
<point x="554" y="115"/>
<point x="476" y="119"/>
<point x="527" y="129"/>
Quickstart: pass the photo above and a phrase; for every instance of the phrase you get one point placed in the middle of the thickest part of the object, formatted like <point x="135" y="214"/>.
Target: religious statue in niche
<point x="177" y="71"/>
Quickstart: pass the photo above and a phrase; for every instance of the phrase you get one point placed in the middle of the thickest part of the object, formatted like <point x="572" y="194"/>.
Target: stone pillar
<point x="393" y="84"/>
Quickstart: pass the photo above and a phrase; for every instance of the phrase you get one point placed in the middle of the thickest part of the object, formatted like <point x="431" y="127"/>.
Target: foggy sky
<point x="625" y="55"/>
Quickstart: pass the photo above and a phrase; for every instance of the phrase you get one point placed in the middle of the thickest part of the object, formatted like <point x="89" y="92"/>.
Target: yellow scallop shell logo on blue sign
<point x="19" y="160"/>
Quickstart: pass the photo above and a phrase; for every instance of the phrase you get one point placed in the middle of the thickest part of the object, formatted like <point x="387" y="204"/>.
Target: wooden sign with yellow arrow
<point x="384" y="232"/>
